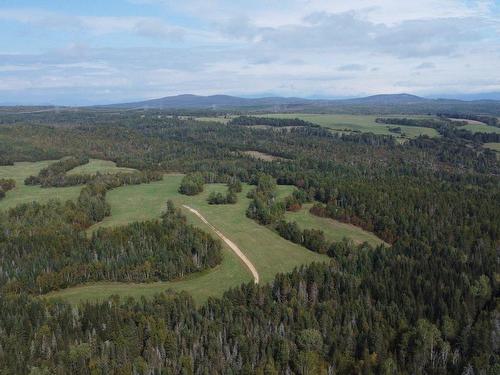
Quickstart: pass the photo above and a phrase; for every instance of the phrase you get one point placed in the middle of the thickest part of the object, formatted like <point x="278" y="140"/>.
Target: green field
<point x="365" y="124"/>
<point x="269" y="252"/>
<point x="347" y="123"/>
<point x="481" y="128"/>
<point x="334" y="230"/>
<point x="361" y="123"/>
<point x="493" y="146"/>
<point x="221" y="119"/>
<point x="97" y="165"/>
<point x="25" y="194"/>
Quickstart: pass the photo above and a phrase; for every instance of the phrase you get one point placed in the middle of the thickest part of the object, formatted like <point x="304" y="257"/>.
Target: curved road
<point x="230" y="243"/>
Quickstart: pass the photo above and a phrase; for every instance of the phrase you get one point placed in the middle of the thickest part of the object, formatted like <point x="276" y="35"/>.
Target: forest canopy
<point x="428" y="304"/>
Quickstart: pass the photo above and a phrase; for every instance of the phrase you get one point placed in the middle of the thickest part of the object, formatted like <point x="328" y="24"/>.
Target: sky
<point x="73" y="52"/>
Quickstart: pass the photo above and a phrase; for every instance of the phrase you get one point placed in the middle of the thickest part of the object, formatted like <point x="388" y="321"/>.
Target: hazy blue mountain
<point x="376" y="104"/>
<point x="224" y="101"/>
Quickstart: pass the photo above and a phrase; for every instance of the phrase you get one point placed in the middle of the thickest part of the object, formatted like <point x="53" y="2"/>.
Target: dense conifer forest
<point x="428" y="304"/>
<point x="268" y="121"/>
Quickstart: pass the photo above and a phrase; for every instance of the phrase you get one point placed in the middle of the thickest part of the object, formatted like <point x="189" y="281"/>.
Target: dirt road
<point x="230" y="243"/>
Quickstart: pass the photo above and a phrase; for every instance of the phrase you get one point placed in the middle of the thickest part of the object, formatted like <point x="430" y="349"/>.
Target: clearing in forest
<point x="229" y="243"/>
<point x="25" y="194"/>
<point x="101" y="166"/>
<point x="358" y="123"/>
<point x="262" y="156"/>
<point x="347" y="123"/>
<point x="334" y="230"/>
<point x="265" y="249"/>
<point x="481" y="128"/>
<point x="495" y="146"/>
<point x="471" y="122"/>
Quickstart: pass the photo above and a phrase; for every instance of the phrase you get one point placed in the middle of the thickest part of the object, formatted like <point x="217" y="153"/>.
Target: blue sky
<point x="87" y="52"/>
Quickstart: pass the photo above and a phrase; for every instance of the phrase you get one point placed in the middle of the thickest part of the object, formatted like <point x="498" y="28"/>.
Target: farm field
<point x="493" y="146"/>
<point x="344" y="123"/>
<point x="365" y="124"/>
<point x="25" y="194"/>
<point x="470" y="122"/>
<point x="334" y="230"/>
<point x="481" y="128"/>
<point x="221" y="119"/>
<point x="101" y="166"/>
<point x="361" y="123"/>
<point x="262" y="156"/>
<point x="269" y="253"/>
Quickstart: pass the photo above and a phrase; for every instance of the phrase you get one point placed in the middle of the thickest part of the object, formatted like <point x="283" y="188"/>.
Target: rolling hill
<point x="380" y="104"/>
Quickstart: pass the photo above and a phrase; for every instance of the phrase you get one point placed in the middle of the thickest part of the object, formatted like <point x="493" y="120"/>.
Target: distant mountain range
<point x="223" y="101"/>
<point x="391" y="103"/>
<point x="376" y="104"/>
<point x="226" y="101"/>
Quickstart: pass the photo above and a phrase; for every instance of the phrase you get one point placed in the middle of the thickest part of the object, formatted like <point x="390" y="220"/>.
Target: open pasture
<point x="495" y="146"/>
<point x="101" y="166"/>
<point x="262" y="156"/>
<point x="481" y="128"/>
<point x="334" y="230"/>
<point x="220" y="119"/>
<point x="358" y="123"/>
<point x="269" y="252"/>
<point x="26" y="194"/>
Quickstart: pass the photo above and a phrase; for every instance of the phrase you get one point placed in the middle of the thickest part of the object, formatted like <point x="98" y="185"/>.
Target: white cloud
<point x="148" y="27"/>
<point x="265" y="13"/>
<point x="352" y="68"/>
<point x="426" y="65"/>
<point x="293" y="47"/>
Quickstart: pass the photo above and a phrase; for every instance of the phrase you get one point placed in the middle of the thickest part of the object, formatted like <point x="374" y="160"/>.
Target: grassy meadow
<point x="101" y="166"/>
<point x="334" y="230"/>
<point x="359" y="123"/>
<point x="365" y="124"/>
<point x="481" y="128"/>
<point x="347" y="123"/>
<point x="269" y="253"/>
<point x="26" y="194"/>
<point x="495" y="146"/>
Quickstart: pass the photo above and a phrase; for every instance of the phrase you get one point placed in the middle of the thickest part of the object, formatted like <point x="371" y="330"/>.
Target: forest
<point x="450" y="128"/>
<point x="428" y="304"/>
<point x="269" y="121"/>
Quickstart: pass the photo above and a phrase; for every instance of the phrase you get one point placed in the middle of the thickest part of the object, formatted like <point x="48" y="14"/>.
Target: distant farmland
<point x="347" y="123"/>
<point x="358" y="123"/>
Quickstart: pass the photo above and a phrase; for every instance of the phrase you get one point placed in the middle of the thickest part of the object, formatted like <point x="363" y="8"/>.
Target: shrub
<point x="192" y="184"/>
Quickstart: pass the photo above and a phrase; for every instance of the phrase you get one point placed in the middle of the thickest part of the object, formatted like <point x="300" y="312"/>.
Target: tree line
<point x="488" y="120"/>
<point x="270" y="121"/>
<point x="447" y="128"/>
<point x="43" y="250"/>
<point x="233" y="187"/>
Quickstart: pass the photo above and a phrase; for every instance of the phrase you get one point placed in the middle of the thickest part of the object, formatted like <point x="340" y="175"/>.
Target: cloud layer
<point x="139" y="49"/>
